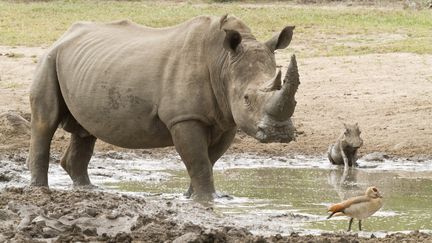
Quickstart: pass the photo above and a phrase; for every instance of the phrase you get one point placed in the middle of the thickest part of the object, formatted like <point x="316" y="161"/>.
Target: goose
<point x="359" y="207"/>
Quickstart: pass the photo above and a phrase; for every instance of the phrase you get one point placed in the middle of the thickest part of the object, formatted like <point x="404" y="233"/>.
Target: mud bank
<point x="42" y="215"/>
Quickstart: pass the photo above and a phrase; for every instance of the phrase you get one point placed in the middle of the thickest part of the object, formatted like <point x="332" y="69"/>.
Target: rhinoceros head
<point x="261" y="104"/>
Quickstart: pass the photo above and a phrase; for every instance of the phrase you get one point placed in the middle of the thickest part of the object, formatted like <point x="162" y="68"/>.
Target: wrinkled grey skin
<point x="344" y="151"/>
<point x="189" y="85"/>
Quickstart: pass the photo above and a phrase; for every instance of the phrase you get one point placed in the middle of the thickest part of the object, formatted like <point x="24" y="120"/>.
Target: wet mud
<point x="43" y="215"/>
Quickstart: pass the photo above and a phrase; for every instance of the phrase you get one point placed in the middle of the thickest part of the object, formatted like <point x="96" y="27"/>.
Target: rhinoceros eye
<point x="246" y="100"/>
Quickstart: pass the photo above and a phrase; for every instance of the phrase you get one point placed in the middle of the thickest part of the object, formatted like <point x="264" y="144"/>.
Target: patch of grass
<point x="10" y="85"/>
<point x="318" y="32"/>
<point x="419" y="46"/>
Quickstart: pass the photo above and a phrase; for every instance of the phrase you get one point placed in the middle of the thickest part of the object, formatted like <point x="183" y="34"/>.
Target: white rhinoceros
<point x="190" y="85"/>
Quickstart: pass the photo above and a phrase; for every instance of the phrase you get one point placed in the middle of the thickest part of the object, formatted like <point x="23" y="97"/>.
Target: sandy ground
<point x="389" y="95"/>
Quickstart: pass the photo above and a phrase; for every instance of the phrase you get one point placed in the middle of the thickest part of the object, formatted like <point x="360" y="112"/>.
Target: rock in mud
<point x="90" y="232"/>
<point x="12" y="123"/>
<point x="4" y="177"/>
<point x="91" y="212"/>
<point x="375" y="156"/>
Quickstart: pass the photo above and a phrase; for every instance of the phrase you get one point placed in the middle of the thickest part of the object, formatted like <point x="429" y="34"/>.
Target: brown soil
<point x="389" y="95"/>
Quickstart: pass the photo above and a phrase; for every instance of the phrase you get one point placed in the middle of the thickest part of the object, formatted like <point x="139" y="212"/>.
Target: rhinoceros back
<point x="127" y="84"/>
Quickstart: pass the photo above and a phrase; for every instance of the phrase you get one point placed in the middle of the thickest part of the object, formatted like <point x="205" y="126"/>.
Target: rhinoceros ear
<point x="232" y="40"/>
<point x="281" y="40"/>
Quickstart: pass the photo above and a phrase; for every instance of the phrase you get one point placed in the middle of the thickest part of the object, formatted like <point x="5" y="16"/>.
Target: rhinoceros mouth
<point x="264" y="138"/>
<point x="272" y="131"/>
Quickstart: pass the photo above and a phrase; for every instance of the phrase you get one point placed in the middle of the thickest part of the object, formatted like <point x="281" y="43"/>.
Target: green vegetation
<point x="320" y="30"/>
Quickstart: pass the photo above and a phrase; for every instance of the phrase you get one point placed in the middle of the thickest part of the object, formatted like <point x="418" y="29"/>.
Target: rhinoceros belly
<point x="119" y="117"/>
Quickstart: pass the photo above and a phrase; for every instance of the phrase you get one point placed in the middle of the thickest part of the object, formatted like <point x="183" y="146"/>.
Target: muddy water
<point x="280" y="195"/>
<point x="275" y="194"/>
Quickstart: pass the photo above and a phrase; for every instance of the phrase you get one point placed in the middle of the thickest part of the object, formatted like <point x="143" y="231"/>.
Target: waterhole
<point x="271" y="195"/>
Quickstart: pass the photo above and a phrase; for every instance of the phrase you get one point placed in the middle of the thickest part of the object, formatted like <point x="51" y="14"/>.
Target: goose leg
<point x="360" y="225"/>
<point x="350" y="223"/>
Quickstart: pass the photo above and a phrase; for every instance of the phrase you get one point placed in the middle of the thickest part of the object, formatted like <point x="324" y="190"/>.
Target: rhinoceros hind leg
<point x="75" y="160"/>
<point x="47" y="105"/>
<point x="191" y="142"/>
<point x="38" y="160"/>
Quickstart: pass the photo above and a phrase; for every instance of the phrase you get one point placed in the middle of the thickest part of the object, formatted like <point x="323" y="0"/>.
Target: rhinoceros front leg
<point x="75" y="160"/>
<point x="191" y="142"/>
<point x="216" y="150"/>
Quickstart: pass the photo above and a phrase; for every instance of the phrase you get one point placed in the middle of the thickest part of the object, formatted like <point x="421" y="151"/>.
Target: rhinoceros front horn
<point x="282" y="104"/>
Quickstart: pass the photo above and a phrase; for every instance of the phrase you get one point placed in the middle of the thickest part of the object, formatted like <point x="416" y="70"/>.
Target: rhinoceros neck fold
<point x="218" y="68"/>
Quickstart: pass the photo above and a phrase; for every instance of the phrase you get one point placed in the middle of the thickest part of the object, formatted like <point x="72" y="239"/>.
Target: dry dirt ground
<point x="389" y="95"/>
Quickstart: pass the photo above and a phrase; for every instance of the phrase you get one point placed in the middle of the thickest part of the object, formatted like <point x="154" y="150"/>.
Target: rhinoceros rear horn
<point x="275" y="83"/>
<point x="282" y="104"/>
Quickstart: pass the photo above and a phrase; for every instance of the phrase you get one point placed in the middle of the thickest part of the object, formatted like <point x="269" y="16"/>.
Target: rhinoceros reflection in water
<point x="189" y="85"/>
